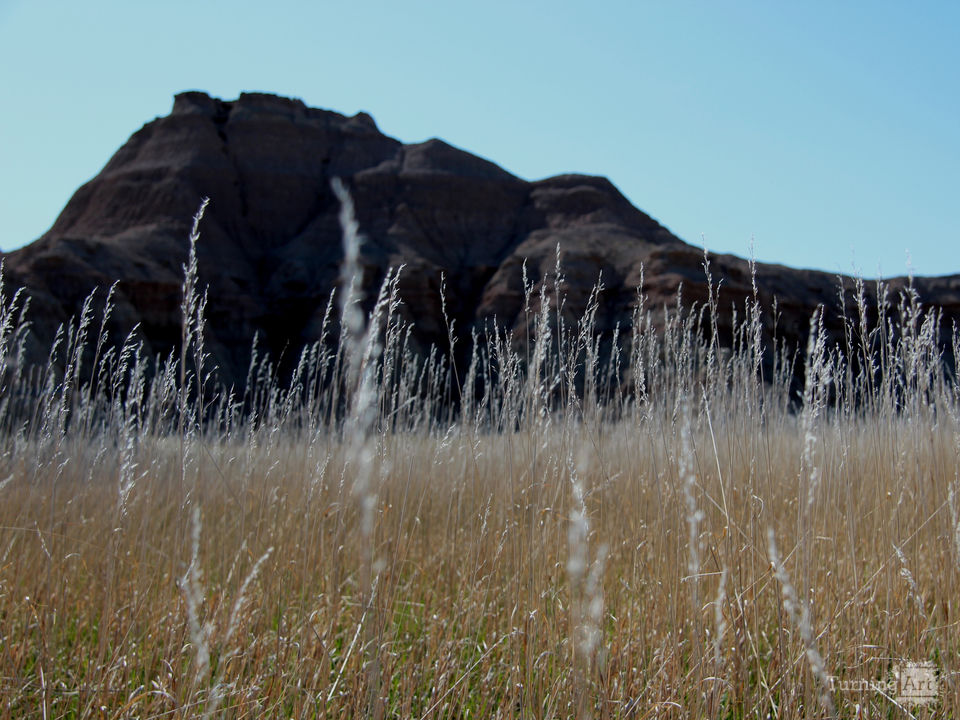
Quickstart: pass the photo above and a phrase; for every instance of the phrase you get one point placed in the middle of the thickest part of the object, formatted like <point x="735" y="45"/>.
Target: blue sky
<point x="825" y="133"/>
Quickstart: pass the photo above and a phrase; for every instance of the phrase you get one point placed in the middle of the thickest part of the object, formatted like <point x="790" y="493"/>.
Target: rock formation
<point x="270" y="244"/>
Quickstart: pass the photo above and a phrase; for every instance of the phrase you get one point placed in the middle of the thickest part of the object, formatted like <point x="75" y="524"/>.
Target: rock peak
<point x="197" y="102"/>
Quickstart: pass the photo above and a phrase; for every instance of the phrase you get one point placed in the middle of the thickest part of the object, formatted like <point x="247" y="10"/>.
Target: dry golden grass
<point x="472" y="614"/>
<point x="681" y="542"/>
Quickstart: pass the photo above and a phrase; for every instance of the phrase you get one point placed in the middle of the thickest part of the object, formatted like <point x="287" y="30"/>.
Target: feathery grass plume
<point x="588" y="343"/>
<point x="713" y="349"/>
<point x="130" y="422"/>
<point x="612" y="397"/>
<point x="799" y="613"/>
<point x="470" y="417"/>
<point x="720" y="631"/>
<point x="100" y="368"/>
<point x="816" y="384"/>
<point x="719" y="621"/>
<point x="13" y="321"/>
<point x="362" y="354"/>
<point x="450" y="325"/>
<point x="955" y="516"/>
<point x="233" y="623"/>
<point x="866" y="347"/>
<point x="192" y="306"/>
<point x="63" y="401"/>
<point x="755" y="350"/>
<point x="13" y="335"/>
<point x="686" y="464"/>
<point x="76" y="345"/>
<point x="539" y="385"/>
<point x="191" y="585"/>
<point x="586" y="588"/>
<point x="686" y="469"/>
<point x="911" y="583"/>
<point x="350" y="273"/>
<point x="640" y="340"/>
<point x="393" y="354"/>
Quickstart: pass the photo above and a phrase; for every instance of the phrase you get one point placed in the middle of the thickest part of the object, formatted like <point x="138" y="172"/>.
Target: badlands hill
<point x="270" y="244"/>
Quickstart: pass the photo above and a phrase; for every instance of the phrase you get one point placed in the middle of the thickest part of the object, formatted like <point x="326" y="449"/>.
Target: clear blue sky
<point x="826" y="132"/>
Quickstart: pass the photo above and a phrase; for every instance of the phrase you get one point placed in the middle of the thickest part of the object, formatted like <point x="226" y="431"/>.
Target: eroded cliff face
<point x="271" y="246"/>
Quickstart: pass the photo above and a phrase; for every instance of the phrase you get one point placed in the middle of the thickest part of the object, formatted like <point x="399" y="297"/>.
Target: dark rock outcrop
<point x="270" y="244"/>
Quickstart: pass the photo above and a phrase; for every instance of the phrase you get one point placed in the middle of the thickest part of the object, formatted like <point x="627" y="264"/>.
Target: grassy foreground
<point x="649" y="531"/>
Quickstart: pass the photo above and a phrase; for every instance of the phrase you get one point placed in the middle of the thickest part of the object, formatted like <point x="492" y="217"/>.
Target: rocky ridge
<point x="271" y="247"/>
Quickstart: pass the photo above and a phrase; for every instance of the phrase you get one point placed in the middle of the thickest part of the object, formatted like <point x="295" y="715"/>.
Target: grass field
<point x="654" y="531"/>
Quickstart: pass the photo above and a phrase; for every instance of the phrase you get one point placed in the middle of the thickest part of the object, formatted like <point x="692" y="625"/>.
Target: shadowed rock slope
<point x="270" y="244"/>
